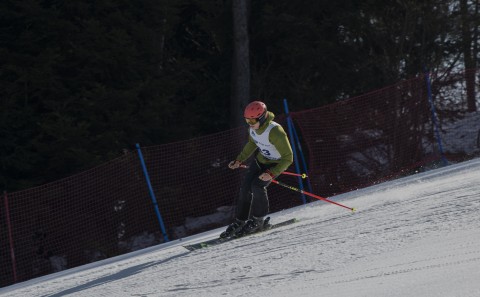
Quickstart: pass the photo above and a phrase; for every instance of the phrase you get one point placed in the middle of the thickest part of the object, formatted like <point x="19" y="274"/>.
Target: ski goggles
<point x="251" y="121"/>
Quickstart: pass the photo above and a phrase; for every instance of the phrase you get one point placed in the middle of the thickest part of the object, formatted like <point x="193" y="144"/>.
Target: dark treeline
<point x="81" y="80"/>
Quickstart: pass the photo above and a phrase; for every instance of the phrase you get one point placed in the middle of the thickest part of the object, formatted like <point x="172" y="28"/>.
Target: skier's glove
<point x="234" y="164"/>
<point x="267" y="176"/>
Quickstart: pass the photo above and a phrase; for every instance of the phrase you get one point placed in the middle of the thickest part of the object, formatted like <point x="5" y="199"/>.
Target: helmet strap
<point x="263" y="118"/>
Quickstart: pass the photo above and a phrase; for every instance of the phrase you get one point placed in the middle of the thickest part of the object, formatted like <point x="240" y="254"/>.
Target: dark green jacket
<point x="279" y="139"/>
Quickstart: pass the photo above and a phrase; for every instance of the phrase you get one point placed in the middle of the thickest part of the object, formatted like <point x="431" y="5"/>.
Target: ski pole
<point x="302" y="175"/>
<point x="312" y="195"/>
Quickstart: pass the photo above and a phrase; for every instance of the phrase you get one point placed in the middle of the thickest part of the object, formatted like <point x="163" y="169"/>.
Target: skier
<point x="274" y="156"/>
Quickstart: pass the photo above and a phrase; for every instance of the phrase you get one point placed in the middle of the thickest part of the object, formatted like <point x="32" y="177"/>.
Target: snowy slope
<point x="417" y="236"/>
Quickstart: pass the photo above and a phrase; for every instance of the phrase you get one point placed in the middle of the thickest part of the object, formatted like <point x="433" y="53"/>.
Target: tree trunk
<point x="240" y="95"/>
<point x="469" y="59"/>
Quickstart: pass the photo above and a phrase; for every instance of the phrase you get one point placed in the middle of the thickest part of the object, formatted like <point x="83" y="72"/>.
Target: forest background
<point x="81" y="81"/>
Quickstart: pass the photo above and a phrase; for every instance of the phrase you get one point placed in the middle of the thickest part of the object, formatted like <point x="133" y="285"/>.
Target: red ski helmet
<point x="255" y="110"/>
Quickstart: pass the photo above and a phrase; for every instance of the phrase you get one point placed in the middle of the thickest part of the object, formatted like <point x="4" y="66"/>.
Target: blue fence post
<point x="304" y="163"/>
<point x="434" y="118"/>
<point x="292" y="143"/>
<point x="152" y="194"/>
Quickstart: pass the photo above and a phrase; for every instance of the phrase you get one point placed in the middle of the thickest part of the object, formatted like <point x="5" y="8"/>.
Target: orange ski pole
<point x="302" y="175"/>
<point x="312" y="195"/>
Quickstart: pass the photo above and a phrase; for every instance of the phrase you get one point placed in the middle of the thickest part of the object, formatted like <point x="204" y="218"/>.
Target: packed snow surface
<point x="416" y="236"/>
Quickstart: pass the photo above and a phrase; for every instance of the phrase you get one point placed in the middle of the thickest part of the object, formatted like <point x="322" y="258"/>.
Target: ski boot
<point x="254" y="225"/>
<point x="233" y="228"/>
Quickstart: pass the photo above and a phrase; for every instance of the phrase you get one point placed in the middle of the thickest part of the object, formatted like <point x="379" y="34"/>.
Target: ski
<point x="217" y="241"/>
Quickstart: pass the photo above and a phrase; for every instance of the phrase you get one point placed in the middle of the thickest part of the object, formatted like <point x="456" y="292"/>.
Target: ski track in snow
<point x="418" y="236"/>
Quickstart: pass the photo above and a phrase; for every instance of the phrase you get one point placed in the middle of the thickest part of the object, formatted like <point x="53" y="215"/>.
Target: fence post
<point x="292" y="143"/>
<point x="478" y="139"/>
<point x="304" y="163"/>
<point x="152" y="194"/>
<point x="10" y="236"/>
<point x="434" y="118"/>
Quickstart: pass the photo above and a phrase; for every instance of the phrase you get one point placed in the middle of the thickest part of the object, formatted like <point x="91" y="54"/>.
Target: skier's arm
<point x="247" y="151"/>
<point x="279" y="139"/>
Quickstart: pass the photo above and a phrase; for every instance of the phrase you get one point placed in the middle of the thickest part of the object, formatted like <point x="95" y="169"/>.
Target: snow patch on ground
<point x="415" y="236"/>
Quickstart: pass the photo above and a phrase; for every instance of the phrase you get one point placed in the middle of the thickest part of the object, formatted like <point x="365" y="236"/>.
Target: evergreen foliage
<point x="82" y="80"/>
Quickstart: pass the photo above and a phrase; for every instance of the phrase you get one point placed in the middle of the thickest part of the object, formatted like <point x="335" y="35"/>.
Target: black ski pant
<point x="253" y="198"/>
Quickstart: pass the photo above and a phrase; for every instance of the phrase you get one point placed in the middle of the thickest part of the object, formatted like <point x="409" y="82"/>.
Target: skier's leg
<point x="259" y="208"/>
<point x="260" y="204"/>
<point x="242" y="211"/>
<point x="245" y="196"/>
